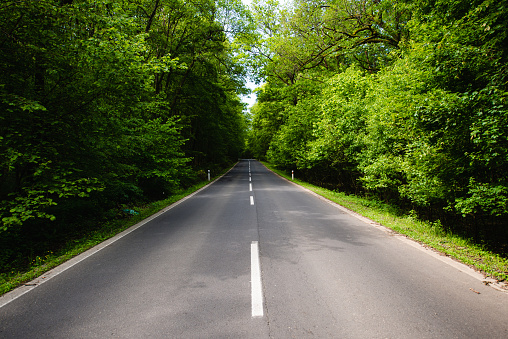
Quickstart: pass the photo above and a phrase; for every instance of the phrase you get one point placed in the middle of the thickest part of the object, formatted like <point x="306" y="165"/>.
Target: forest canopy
<point x="400" y="100"/>
<point x="109" y="103"/>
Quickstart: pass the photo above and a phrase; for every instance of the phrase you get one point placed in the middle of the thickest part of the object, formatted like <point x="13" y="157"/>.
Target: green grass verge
<point x="428" y="233"/>
<point x="40" y="265"/>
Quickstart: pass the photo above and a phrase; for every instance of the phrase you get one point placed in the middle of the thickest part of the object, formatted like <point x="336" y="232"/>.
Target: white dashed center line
<point x="256" y="287"/>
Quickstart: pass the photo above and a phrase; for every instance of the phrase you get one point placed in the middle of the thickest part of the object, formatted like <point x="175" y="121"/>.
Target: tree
<point x="409" y="106"/>
<point x="103" y="103"/>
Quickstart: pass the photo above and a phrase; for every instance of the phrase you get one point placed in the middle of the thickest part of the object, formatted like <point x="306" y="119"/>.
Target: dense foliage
<point x="108" y="103"/>
<point x="403" y="100"/>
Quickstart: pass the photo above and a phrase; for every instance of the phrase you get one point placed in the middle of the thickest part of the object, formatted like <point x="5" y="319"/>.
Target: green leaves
<point x="483" y="198"/>
<point x="32" y="202"/>
<point x="424" y="125"/>
<point x="106" y="102"/>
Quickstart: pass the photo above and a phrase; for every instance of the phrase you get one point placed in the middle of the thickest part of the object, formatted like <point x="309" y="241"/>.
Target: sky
<point x="251" y="99"/>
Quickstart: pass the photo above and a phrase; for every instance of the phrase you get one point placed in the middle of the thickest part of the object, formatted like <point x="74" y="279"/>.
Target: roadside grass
<point x="429" y="234"/>
<point x="42" y="264"/>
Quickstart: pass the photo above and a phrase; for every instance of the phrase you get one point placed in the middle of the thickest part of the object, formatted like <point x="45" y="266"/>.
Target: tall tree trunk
<point x="150" y="20"/>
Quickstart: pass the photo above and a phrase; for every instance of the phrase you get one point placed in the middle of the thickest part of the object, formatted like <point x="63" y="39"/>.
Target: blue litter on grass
<point x="131" y="212"/>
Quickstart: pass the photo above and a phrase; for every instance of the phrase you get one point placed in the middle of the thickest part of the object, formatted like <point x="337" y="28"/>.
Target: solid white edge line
<point x="27" y="287"/>
<point x="256" y="287"/>
<point x="497" y="285"/>
<point x="251" y="200"/>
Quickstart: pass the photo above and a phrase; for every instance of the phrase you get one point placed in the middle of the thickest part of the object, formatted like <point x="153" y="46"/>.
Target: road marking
<point x="251" y="200"/>
<point x="23" y="289"/>
<point x="500" y="286"/>
<point x="255" y="277"/>
<point x="250" y="187"/>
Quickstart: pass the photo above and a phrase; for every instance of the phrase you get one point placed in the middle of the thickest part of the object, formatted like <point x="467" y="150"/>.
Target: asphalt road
<point x="191" y="273"/>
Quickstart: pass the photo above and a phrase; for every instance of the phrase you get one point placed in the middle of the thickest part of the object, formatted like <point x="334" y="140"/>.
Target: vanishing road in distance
<point x="255" y="256"/>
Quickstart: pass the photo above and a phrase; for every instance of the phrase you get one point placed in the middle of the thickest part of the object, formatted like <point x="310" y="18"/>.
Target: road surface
<point x="255" y="256"/>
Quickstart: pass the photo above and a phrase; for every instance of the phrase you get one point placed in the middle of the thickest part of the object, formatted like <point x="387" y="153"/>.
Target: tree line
<point x="400" y="100"/>
<point x="109" y="103"/>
